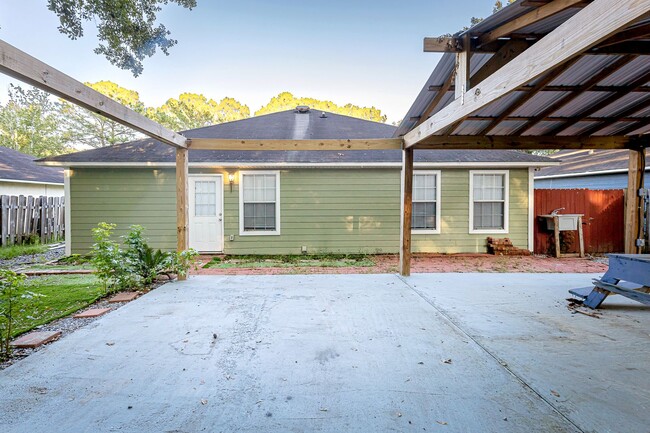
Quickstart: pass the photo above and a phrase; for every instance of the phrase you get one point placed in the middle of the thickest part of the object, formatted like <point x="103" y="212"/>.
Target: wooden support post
<point x="462" y="70"/>
<point x="182" y="167"/>
<point x="407" y="207"/>
<point x="634" y="203"/>
<point x="556" y="236"/>
<point x="581" y="238"/>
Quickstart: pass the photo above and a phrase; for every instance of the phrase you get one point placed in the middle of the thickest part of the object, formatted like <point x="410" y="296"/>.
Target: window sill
<point x="425" y="232"/>
<point x="488" y="231"/>
<point x="259" y="233"/>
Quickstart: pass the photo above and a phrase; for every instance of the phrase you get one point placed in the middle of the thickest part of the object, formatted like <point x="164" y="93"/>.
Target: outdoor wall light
<point x="231" y="179"/>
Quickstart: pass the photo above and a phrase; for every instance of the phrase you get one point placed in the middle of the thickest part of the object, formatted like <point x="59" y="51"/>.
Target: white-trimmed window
<point x="488" y="207"/>
<point x="425" y="212"/>
<point x="259" y="203"/>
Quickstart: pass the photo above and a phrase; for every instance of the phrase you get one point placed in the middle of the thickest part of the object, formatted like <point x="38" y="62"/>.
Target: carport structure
<point x="536" y="75"/>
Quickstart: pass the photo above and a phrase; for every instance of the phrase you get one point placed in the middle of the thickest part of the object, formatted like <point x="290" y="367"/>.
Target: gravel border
<point x="20" y="261"/>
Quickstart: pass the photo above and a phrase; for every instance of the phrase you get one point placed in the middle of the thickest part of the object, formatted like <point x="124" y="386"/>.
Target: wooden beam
<point x="443" y="44"/>
<point x="508" y="52"/>
<point x="563" y="101"/>
<point x="407" y="211"/>
<point x="634" y="203"/>
<point x="531" y="17"/>
<point x="541" y="84"/>
<point x="462" y="70"/>
<point x="528" y="142"/>
<point x="182" y="191"/>
<point x="22" y="66"/>
<point x="585" y="29"/>
<point x="436" y="99"/>
<point x="261" y="144"/>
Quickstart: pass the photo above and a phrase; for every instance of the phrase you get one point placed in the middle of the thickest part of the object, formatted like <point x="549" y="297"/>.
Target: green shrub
<point x="112" y="265"/>
<point x="139" y="264"/>
<point x="11" y="289"/>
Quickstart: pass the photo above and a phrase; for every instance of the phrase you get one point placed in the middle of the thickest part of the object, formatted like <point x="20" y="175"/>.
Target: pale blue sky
<point x="366" y="52"/>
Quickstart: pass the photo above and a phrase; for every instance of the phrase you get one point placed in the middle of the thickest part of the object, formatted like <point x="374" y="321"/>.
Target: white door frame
<point x="221" y="209"/>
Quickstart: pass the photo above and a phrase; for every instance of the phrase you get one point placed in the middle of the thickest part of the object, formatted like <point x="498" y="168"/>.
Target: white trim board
<point x="67" y="212"/>
<point x="278" y="165"/>
<point x="531" y="209"/>
<point x="587" y="173"/>
<point x="275" y="232"/>
<point x="33" y="182"/>
<point x="438" y="175"/>
<point x="506" y="202"/>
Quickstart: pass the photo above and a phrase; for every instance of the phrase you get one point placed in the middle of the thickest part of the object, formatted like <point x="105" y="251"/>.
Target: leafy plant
<point x="112" y="265"/>
<point x="139" y="264"/>
<point x="11" y="289"/>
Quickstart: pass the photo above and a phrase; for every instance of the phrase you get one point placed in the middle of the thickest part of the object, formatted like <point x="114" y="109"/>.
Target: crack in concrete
<point x="454" y="324"/>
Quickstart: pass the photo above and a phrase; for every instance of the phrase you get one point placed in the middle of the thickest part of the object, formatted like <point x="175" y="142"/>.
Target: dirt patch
<point x="389" y="263"/>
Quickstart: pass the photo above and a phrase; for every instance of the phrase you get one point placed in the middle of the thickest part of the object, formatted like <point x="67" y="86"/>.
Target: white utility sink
<point x="566" y="222"/>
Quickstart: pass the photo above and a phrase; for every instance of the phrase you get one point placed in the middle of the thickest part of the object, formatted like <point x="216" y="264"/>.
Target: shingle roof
<point x="286" y="125"/>
<point x="574" y="162"/>
<point x="17" y="166"/>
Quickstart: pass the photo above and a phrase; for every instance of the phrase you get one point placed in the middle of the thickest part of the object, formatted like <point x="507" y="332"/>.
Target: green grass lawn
<point x="21" y="250"/>
<point x="56" y="296"/>
<point x="325" y="261"/>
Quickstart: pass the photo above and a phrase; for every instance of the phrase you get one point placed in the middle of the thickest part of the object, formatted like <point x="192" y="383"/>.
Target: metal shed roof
<point x="604" y="91"/>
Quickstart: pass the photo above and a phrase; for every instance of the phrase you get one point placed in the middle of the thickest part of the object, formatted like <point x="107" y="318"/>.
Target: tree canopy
<point x="30" y="123"/>
<point x="287" y="101"/>
<point x="192" y="110"/>
<point x="83" y="127"/>
<point x="35" y="123"/>
<point x="127" y="29"/>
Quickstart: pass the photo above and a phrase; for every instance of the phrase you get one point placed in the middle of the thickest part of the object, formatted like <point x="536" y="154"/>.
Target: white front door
<point x="206" y="213"/>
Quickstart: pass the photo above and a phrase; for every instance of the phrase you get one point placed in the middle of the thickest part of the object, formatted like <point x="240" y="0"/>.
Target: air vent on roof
<point x="323" y="115"/>
<point x="302" y="109"/>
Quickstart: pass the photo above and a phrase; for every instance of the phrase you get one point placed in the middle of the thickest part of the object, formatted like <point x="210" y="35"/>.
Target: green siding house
<point x="293" y="202"/>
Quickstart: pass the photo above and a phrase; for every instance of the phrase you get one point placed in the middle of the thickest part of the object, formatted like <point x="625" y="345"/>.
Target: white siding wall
<point x="33" y="189"/>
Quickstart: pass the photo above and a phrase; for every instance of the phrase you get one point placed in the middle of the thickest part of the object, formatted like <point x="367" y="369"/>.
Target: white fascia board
<point x="586" y="173"/>
<point x="304" y="165"/>
<point x="35" y="182"/>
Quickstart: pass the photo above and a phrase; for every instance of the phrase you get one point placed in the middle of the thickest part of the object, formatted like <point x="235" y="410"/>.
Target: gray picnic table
<point x="628" y="275"/>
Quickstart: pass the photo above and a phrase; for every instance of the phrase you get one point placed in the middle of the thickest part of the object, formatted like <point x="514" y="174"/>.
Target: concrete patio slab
<point x="35" y="339"/>
<point x="594" y="371"/>
<point x="353" y="353"/>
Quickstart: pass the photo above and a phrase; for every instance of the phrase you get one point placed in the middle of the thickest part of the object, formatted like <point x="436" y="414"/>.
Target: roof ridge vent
<point x="302" y="108"/>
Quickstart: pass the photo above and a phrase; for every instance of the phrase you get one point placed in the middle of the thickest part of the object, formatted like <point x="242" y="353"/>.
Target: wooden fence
<point x="24" y="217"/>
<point x="603" y="211"/>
